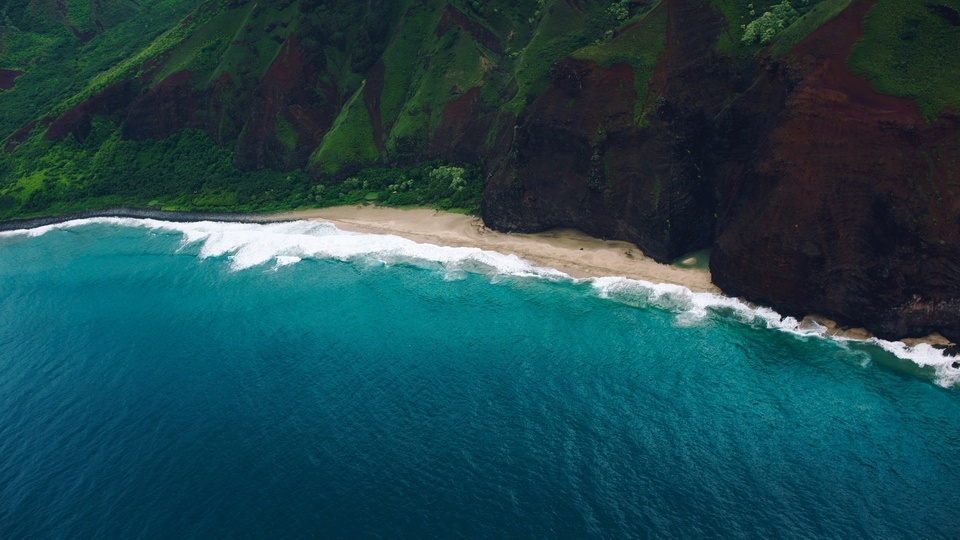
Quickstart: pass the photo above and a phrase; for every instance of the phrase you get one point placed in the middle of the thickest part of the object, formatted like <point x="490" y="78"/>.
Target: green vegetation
<point x="188" y="171"/>
<point x="639" y="46"/>
<point x="735" y="14"/>
<point x="908" y="50"/>
<point x="755" y="24"/>
<point x="401" y="58"/>
<point x="350" y="139"/>
<point x="201" y="50"/>
<point x="286" y="134"/>
<point x="432" y="184"/>
<point x="454" y="67"/>
<point x="58" y="66"/>
<point x="819" y="14"/>
<point x="185" y="171"/>
<point x="133" y="65"/>
<point x="763" y="29"/>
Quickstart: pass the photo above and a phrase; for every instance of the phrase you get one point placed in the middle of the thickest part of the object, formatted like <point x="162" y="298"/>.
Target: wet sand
<point x="567" y="250"/>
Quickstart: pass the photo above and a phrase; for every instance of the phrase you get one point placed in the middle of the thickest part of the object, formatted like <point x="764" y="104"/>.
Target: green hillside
<point x="429" y="54"/>
<point x="903" y="52"/>
<point x="255" y="106"/>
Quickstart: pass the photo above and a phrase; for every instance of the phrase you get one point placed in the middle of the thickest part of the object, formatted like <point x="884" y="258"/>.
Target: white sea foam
<point x="692" y="308"/>
<point x="926" y="356"/>
<point x="40" y="231"/>
<point x="248" y="245"/>
<point x="287" y="260"/>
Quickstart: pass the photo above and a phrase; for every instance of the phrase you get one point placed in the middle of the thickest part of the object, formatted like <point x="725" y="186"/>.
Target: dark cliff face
<point x="291" y="101"/>
<point x="581" y="158"/>
<point x="829" y="197"/>
<point x="630" y="121"/>
<point x="848" y="205"/>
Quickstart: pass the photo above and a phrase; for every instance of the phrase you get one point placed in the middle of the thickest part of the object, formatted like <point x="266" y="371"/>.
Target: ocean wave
<point x="248" y="245"/>
<point x="695" y="307"/>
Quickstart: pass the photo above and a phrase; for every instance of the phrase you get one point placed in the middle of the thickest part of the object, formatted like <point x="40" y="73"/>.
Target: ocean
<point x="222" y="380"/>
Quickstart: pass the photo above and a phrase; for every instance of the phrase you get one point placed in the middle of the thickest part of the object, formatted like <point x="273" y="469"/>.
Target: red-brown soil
<point x="481" y="34"/>
<point x="163" y="110"/>
<point x="8" y="77"/>
<point x="291" y="89"/>
<point x="371" y="98"/>
<point x="850" y="208"/>
<point x="18" y="137"/>
<point x="77" y="120"/>
<point x="461" y="135"/>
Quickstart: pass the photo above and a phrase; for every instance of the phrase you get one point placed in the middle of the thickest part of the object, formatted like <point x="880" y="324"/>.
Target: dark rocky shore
<point x="136" y="213"/>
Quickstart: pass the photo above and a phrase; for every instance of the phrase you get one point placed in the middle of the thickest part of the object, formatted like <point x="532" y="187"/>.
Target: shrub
<point x="765" y="28"/>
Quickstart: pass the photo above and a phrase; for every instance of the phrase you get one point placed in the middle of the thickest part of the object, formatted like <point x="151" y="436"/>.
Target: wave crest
<point x="248" y="245"/>
<point x="692" y="308"/>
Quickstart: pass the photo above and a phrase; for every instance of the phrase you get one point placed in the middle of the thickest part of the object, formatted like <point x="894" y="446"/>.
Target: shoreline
<point x="568" y="250"/>
<point x="135" y="213"/>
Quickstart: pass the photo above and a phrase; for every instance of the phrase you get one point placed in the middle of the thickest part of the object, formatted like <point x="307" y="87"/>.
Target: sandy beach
<point x="567" y="250"/>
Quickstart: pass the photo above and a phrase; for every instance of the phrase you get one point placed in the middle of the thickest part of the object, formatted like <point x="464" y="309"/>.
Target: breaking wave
<point x="692" y="308"/>
<point x="248" y="245"/>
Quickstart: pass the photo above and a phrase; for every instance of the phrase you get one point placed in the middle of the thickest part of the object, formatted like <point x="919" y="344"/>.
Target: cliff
<point x="848" y="204"/>
<point x="814" y="145"/>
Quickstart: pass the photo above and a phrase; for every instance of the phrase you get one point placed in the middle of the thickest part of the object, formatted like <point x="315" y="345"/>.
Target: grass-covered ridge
<point x="754" y="25"/>
<point x="350" y="140"/>
<point x="229" y="46"/>
<point x="37" y="38"/>
<point x="910" y="50"/>
<point x="639" y="45"/>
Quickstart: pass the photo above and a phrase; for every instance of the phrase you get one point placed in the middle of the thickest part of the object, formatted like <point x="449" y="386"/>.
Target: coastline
<point x="567" y="250"/>
<point x="135" y="213"/>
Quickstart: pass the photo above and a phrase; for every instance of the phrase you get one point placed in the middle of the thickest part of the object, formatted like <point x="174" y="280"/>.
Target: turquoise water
<point x="291" y="380"/>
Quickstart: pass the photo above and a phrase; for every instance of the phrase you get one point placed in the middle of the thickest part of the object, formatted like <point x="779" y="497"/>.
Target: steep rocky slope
<point x="814" y="144"/>
<point x="591" y="153"/>
<point x="847" y="203"/>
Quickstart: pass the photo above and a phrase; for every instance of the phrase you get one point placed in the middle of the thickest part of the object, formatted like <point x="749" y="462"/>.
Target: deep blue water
<point x="152" y="386"/>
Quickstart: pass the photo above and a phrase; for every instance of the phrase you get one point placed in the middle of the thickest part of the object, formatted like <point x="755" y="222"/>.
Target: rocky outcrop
<point x="577" y="160"/>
